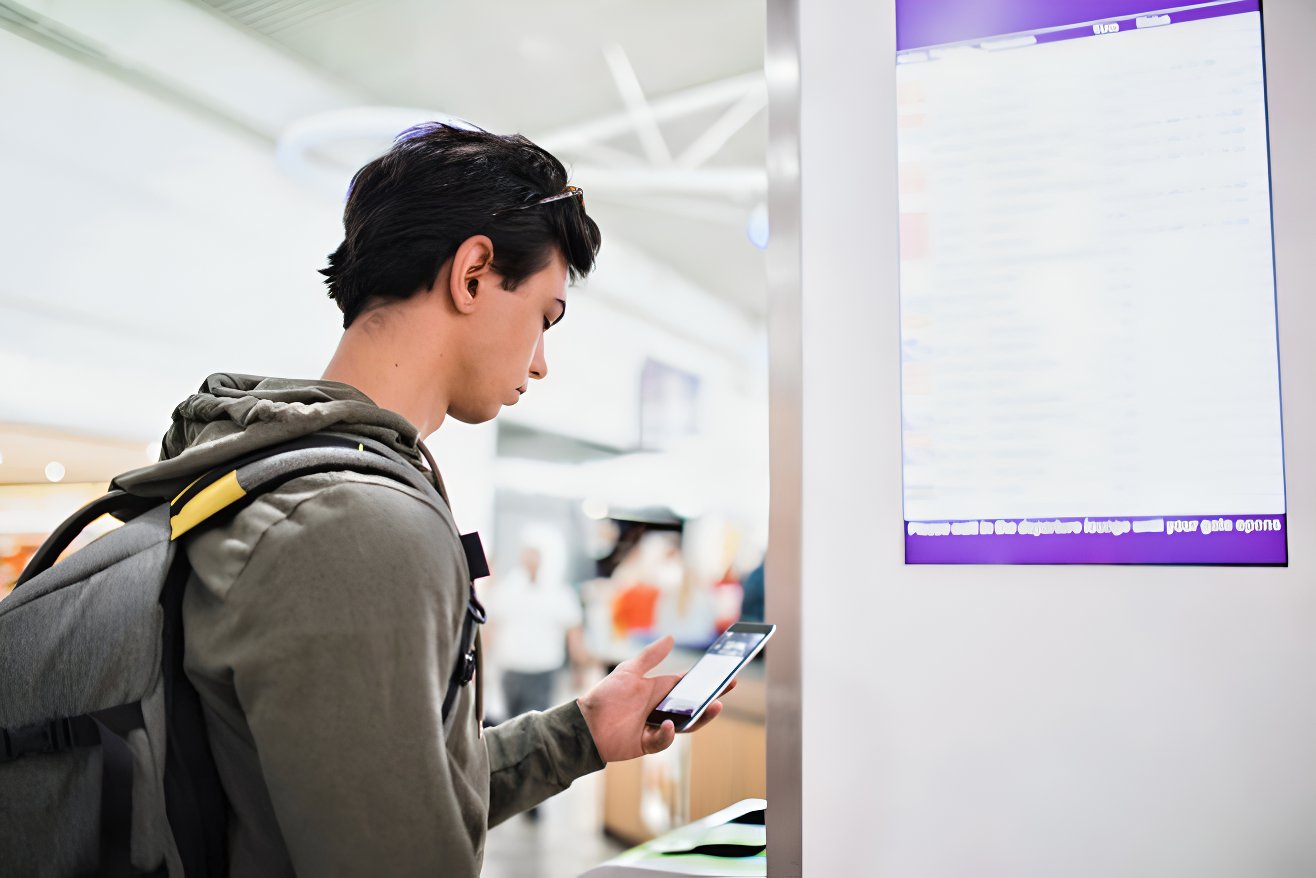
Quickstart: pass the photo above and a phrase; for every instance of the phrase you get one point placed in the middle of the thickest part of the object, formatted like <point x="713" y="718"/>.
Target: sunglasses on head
<point x="569" y="192"/>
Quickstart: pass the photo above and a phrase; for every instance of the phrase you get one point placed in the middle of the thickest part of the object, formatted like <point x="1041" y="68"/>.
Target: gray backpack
<point x="105" y="767"/>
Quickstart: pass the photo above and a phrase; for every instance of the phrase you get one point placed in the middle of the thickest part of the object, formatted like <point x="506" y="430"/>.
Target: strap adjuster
<point x="475" y="617"/>
<point x="467" y="672"/>
<point x="475" y="609"/>
<point x="54" y="736"/>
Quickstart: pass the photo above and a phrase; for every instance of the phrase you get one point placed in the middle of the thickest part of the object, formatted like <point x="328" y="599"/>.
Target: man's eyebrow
<point x="563" y="303"/>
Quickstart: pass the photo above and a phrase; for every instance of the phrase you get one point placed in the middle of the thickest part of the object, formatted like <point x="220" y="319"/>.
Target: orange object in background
<point x="728" y="596"/>
<point x="15" y="551"/>
<point x="29" y="513"/>
<point x="634" y="608"/>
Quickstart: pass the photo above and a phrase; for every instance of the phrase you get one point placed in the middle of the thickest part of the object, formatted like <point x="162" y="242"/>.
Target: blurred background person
<point x="751" y="606"/>
<point x="535" y="623"/>
<point x="534" y="627"/>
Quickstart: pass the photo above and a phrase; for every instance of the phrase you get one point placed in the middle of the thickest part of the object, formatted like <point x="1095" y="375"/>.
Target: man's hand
<point x="616" y="709"/>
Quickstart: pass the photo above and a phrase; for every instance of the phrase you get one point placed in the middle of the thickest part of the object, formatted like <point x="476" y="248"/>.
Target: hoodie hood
<point x="235" y="415"/>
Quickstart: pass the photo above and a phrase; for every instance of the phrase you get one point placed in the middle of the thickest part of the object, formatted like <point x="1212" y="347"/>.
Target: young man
<point x="322" y="620"/>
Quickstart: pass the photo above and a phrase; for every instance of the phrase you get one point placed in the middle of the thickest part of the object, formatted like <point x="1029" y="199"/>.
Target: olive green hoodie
<point x="321" y="627"/>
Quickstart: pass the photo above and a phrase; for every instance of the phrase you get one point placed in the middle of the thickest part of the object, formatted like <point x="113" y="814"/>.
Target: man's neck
<point x="377" y="361"/>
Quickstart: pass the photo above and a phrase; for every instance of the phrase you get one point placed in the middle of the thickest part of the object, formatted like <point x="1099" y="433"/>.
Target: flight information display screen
<point x="1090" y="364"/>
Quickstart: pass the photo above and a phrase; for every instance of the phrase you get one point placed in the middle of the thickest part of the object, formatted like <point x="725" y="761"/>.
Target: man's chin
<point x="474" y="416"/>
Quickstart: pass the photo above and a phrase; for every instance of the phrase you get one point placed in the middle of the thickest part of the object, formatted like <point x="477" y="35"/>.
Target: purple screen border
<point x="924" y="23"/>
<point x="1236" y="547"/>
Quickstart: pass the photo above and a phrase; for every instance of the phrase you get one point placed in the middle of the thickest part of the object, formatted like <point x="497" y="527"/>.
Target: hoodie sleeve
<point x="536" y="755"/>
<point x="332" y="616"/>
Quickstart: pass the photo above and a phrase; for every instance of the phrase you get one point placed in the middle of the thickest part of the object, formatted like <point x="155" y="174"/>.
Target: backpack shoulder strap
<point x="233" y="484"/>
<point x="229" y="487"/>
<point x="119" y="504"/>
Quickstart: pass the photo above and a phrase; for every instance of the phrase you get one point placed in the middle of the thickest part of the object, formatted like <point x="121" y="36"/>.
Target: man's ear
<point x="472" y="268"/>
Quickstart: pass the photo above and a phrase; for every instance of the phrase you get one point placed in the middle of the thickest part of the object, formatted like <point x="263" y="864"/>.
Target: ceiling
<point x="522" y="65"/>
<point x="178" y="169"/>
<point x="658" y="109"/>
<point x="619" y="90"/>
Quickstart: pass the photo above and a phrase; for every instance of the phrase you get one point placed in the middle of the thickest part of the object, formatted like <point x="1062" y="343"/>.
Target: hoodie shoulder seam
<point x="351" y="479"/>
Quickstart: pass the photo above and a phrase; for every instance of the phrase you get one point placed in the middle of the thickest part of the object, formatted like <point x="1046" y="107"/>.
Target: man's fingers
<point x="650" y="657"/>
<point x="656" y="740"/>
<point x="708" y="716"/>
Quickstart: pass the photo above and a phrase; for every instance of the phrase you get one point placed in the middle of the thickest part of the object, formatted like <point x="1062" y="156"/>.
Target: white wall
<point x="1014" y="721"/>
<point x="145" y="246"/>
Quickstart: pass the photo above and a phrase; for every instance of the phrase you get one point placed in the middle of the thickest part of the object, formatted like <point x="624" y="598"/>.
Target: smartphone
<point x="711" y="674"/>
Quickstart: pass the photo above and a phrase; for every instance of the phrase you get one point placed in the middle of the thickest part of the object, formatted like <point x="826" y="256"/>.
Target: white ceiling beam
<point x="673" y="106"/>
<point x="737" y="183"/>
<point x="610" y="156"/>
<point x="637" y="106"/>
<point x="709" y="210"/>
<point x="716" y="136"/>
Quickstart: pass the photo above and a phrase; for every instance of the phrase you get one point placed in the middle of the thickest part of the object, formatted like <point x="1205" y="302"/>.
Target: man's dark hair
<point x="410" y="209"/>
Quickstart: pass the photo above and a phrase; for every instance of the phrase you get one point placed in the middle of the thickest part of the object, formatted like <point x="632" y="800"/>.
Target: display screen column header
<point x="927" y="23"/>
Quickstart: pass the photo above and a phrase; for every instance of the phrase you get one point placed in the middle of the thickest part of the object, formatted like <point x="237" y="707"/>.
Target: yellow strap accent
<point x="188" y="488"/>
<point x="212" y="499"/>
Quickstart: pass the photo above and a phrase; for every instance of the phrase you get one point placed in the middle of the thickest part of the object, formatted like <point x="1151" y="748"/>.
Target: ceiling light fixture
<point x="55" y="471"/>
<point x="324" y="150"/>
<point x="297" y="150"/>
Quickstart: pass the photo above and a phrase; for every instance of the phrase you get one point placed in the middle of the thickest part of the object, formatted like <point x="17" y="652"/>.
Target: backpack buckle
<point x="468" y="668"/>
<point x="54" y="736"/>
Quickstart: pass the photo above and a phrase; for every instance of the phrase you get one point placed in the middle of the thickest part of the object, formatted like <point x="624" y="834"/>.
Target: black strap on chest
<point x="475" y="616"/>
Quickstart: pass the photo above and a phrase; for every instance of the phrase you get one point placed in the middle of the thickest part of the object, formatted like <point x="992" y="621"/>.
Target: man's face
<point x="503" y="343"/>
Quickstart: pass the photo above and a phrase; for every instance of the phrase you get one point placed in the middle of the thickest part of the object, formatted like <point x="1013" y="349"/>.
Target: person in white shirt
<point x="533" y="614"/>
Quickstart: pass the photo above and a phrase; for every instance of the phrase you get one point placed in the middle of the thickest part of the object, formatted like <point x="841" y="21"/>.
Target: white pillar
<point x="993" y="720"/>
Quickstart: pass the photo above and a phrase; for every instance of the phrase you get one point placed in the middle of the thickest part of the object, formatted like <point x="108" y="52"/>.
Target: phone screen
<point x="707" y="677"/>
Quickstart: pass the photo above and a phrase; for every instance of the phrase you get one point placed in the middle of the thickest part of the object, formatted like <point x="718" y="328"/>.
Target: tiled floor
<point x="564" y="842"/>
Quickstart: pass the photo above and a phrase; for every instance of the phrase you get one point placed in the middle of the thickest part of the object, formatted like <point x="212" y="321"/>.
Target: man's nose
<point x="539" y="365"/>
